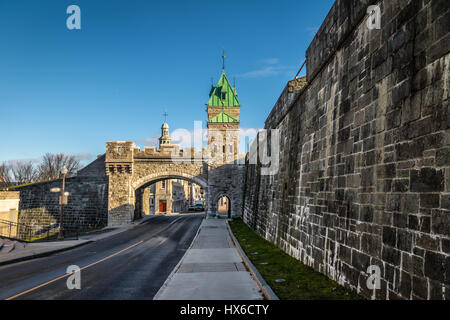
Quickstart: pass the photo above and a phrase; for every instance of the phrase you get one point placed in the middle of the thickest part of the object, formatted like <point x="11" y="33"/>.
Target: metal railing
<point x="23" y="232"/>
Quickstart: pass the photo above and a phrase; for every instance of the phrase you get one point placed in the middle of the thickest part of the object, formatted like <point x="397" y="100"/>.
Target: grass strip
<point x="300" y="281"/>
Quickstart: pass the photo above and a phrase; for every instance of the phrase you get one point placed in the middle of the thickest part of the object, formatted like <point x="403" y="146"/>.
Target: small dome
<point x="165" y="126"/>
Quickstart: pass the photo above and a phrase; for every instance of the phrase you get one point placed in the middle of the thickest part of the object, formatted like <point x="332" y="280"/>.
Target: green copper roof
<point x="223" y="118"/>
<point x="223" y="95"/>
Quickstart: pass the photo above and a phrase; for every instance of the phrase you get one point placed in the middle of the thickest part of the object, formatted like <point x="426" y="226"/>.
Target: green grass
<point x="302" y="282"/>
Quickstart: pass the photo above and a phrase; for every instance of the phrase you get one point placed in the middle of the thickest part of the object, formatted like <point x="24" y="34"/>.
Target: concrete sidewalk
<point x="42" y="249"/>
<point x="211" y="269"/>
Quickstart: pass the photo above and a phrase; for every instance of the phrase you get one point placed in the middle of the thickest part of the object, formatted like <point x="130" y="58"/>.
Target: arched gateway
<point x="129" y="169"/>
<point x="215" y="168"/>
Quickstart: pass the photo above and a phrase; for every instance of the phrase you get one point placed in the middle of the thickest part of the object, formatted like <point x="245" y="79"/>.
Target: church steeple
<point x="165" y="138"/>
<point x="223" y="94"/>
<point x="223" y="110"/>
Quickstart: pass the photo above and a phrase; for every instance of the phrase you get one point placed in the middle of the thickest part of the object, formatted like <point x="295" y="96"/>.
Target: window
<point x="163" y="184"/>
<point x="224" y="95"/>
<point x="119" y="149"/>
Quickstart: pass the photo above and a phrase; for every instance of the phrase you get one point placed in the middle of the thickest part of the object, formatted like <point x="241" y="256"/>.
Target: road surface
<point x="130" y="265"/>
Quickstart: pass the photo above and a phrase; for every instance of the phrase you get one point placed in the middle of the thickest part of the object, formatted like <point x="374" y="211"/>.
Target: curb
<point x="262" y="284"/>
<point x="175" y="269"/>
<point x="43" y="254"/>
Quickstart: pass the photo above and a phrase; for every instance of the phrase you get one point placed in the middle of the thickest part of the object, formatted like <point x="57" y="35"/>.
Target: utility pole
<point x="62" y="202"/>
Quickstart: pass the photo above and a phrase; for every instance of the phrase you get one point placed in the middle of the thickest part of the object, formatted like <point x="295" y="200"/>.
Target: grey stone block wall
<point x="364" y="172"/>
<point x="226" y="180"/>
<point x="94" y="169"/>
<point x="87" y="206"/>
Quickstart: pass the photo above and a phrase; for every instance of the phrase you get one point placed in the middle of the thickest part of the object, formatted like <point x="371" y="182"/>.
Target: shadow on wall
<point x="122" y="215"/>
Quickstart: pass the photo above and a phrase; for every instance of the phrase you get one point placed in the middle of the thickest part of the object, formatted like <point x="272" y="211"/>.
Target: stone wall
<point x="364" y="160"/>
<point x="86" y="208"/>
<point x="94" y="169"/>
<point x="225" y="180"/>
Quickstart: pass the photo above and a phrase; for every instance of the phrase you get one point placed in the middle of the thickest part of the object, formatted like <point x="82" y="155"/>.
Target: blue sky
<point x="72" y="90"/>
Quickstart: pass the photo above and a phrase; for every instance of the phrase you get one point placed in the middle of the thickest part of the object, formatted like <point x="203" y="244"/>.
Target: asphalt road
<point x="130" y="265"/>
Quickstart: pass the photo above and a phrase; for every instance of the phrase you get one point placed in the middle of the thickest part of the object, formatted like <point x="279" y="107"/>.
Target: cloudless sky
<point x="72" y="90"/>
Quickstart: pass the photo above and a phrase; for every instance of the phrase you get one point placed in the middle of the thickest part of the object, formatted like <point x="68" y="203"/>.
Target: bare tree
<point x="5" y="175"/>
<point x="51" y="165"/>
<point x="23" y="172"/>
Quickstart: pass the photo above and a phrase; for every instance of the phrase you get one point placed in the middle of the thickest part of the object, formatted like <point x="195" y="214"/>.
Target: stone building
<point x="223" y="110"/>
<point x="170" y="196"/>
<point x="226" y="175"/>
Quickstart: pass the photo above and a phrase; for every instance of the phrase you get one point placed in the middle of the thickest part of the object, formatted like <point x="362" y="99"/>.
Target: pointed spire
<point x="223" y="59"/>
<point x="223" y="94"/>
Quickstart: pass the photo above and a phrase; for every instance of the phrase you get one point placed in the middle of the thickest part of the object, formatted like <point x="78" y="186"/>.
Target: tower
<point x="164" y="139"/>
<point x="223" y="110"/>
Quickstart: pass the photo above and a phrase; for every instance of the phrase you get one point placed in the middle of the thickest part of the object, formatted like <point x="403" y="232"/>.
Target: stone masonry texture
<point x="86" y="208"/>
<point x="364" y="159"/>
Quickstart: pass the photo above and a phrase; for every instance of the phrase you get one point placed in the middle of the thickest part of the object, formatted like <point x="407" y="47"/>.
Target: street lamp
<point x="62" y="202"/>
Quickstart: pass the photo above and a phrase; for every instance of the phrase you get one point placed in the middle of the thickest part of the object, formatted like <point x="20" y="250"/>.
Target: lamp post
<point x="62" y="202"/>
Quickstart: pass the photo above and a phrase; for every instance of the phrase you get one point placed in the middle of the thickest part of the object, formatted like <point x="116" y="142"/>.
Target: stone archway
<point x="128" y="169"/>
<point x="224" y="205"/>
<point x="158" y="176"/>
<point x="142" y="204"/>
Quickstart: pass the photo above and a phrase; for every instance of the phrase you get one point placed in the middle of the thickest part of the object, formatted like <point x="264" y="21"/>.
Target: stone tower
<point x="223" y="110"/>
<point x="164" y="139"/>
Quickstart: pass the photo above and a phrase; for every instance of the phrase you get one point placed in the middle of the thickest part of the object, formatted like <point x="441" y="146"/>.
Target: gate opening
<point x="224" y="206"/>
<point x="169" y="196"/>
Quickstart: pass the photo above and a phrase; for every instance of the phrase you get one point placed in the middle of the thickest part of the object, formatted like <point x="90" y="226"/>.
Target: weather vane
<point x="223" y="59"/>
